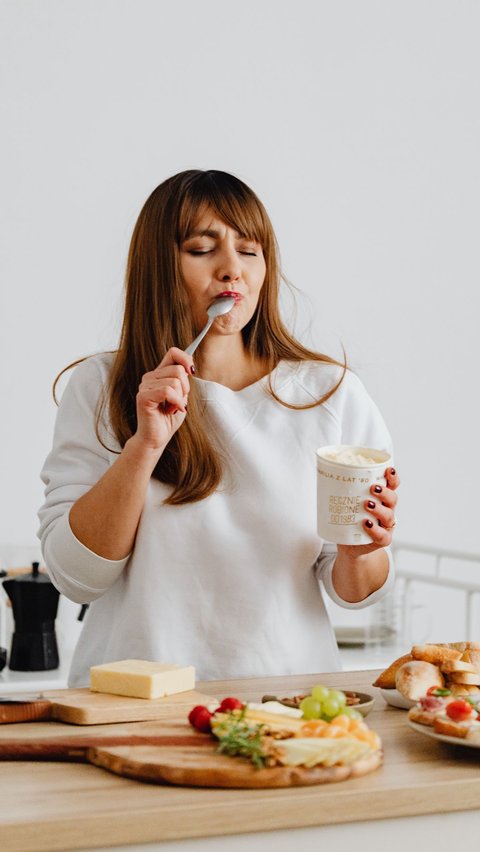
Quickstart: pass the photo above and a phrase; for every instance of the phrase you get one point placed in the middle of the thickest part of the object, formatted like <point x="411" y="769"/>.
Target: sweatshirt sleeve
<point x="76" y="462"/>
<point x="324" y="568"/>
<point x="361" y="424"/>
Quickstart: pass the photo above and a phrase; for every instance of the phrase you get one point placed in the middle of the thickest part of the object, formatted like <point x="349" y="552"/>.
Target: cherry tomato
<point x="200" y="718"/>
<point x="230" y="704"/>
<point x="459" y="710"/>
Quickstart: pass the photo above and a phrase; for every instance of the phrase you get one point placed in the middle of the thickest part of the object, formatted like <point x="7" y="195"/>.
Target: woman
<point x="180" y="491"/>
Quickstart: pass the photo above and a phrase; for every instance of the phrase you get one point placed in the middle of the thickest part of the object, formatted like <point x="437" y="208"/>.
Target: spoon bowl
<point x="221" y="305"/>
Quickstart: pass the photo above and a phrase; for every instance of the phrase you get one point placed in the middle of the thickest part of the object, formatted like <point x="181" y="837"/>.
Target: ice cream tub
<point x="345" y="475"/>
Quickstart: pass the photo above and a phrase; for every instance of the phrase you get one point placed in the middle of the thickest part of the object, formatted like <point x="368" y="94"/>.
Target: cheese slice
<point x="141" y="678"/>
<point x="326" y="752"/>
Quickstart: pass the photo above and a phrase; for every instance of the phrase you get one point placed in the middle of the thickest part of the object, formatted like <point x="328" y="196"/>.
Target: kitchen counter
<point x="53" y="806"/>
<point x="353" y="658"/>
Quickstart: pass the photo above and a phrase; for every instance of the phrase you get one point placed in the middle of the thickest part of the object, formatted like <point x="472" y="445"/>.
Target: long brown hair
<point x="157" y="316"/>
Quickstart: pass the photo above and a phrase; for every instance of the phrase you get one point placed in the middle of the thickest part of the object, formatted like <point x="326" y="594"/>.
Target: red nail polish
<point x="371" y="504"/>
<point x="393" y="472"/>
<point x="369" y="524"/>
<point x="192" y="370"/>
<point x="378" y="489"/>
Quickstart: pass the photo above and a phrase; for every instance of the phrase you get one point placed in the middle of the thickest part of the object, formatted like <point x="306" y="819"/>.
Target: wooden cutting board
<point x="198" y="765"/>
<point x="84" y="707"/>
<point x="163" y="753"/>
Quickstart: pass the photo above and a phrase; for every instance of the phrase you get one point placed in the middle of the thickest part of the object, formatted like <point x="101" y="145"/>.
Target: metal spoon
<point x="221" y="305"/>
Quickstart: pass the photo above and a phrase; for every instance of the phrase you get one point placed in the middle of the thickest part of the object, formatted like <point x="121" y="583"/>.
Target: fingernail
<point x="393" y="472"/>
<point x="369" y="524"/>
<point x="378" y="489"/>
<point x="371" y="504"/>
<point x="192" y="370"/>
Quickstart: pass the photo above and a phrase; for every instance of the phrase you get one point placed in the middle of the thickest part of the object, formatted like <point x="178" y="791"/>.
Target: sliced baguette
<point x="436" y="654"/>
<point x="472" y="656"/>
<point x="424" y="717"/>
<point x="386" y="680"/>
<point x="464" y="646"/>
<point x="467" y="678"/>
<point x="447" y="727"/>
<point x="463" y="689"/>
<point x="451" y="666"/>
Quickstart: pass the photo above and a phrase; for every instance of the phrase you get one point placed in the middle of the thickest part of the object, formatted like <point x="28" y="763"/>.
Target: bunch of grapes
<point x="324" y="703"/>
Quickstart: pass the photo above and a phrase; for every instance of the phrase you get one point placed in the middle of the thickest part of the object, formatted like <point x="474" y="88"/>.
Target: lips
<point x="232" y="293"/>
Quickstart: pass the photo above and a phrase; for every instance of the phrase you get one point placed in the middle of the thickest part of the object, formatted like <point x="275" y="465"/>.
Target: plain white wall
<point x="358" y="124"/>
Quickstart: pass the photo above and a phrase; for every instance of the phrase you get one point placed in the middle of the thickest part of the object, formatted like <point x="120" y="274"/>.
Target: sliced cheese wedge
<point x="311" y="751"/>
<point x="141" y="678"/>
<point x="274" y="721"/>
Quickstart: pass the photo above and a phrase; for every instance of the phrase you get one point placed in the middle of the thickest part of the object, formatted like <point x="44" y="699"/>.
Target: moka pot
<point x="34" y="601"/>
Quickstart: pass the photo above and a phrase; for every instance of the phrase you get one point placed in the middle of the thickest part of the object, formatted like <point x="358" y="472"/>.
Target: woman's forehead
<point x="209" y="223"/>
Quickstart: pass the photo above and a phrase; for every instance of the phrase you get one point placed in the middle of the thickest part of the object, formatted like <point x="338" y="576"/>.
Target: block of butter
<point x="141" y="678"/>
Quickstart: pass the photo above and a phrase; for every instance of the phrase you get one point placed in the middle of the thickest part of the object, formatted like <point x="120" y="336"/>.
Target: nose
<point x="228" y="268"/>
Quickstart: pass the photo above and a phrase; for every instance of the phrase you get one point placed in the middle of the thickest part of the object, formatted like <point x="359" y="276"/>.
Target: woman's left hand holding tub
<point x="362" y="569"/>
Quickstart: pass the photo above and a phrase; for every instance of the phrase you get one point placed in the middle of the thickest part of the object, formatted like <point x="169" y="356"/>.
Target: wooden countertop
<point x="60" y="806"/>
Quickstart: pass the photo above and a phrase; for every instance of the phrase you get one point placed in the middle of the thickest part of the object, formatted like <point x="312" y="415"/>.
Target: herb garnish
<point x="237" y="737"/>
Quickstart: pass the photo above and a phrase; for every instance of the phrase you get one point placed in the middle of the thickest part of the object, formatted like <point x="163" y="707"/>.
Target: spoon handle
<point x="191" y="349"/>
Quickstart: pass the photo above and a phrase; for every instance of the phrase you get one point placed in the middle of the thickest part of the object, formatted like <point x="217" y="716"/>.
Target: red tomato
<point x="199" y="718"/>
<point x="459" y="710"/>
<point x="230" y="704"/>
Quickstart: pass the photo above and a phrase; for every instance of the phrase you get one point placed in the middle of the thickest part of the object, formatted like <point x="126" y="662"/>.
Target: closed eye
<point x="208" y="251"/>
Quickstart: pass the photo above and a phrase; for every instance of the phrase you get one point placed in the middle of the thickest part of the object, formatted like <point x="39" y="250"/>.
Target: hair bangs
<point x="229" y="199"/>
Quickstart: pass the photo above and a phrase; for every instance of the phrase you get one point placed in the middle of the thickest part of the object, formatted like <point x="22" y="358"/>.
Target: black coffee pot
<point x="34" y="602"/>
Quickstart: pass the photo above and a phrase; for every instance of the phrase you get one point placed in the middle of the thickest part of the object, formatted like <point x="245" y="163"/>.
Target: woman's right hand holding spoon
<point x="162" y="400"/>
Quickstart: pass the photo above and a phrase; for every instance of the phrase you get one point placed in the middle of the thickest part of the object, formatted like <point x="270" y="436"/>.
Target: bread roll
<point x="414" y="679"/>
<point x="386" y="680"/>
<point x="436" y="654"/>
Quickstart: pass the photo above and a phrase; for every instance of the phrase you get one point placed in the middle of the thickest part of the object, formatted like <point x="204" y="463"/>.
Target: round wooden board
<point x="199" y="767"/>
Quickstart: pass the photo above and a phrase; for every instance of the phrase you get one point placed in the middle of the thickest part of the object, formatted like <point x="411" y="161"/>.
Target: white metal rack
<point x="440" y="556"/>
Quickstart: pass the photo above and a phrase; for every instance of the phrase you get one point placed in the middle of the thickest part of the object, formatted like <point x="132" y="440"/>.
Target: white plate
<point x="429" y="732"/>
<point x="396" y="699"/>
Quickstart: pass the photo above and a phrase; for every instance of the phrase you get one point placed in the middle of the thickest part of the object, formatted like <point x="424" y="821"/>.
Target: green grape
<point x="331" y="707"/>
<point x="338" y="696"/>
<point x="310" y="708"/>
<point x="352" y="713"/>
<point x="320" y="692"/>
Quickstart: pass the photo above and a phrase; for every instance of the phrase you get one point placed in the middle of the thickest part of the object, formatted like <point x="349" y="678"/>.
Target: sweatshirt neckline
<point x="279" y="377"/>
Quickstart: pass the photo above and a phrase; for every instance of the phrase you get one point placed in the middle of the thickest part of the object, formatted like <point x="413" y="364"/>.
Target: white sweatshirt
<point x="231" y="584"/>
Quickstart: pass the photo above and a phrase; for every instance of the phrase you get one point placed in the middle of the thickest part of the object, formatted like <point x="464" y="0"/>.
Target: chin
<point x="231" y="324"/>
